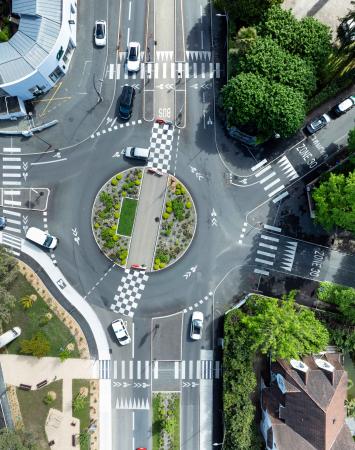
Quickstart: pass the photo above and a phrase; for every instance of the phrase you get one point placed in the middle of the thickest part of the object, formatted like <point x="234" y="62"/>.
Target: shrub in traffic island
<point x="188" y="205"/>
<point x="119" y="176"/>
<point x="114" y="182"/>
<point x="166" y="215"/>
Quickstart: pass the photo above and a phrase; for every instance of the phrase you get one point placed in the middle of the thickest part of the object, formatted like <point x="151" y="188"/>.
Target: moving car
<point x="344" y="106"/>
<point x="3" y="222"/>
<point x="100" y="33"/>
<point x="136" y="153"/>
<point x="125" y="105"/>
<point x="196" y="325"/>
<point x="120" y="329"/>
<point x="41" y="238"/>
<point x="133" y="57"/>
<point x="318" y="123"/>
<point x="9" y="336"/>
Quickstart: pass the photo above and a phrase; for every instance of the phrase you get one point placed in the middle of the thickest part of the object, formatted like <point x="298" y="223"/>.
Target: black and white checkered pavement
<point x="161" y="144"/>
<point x="129" y="292"/>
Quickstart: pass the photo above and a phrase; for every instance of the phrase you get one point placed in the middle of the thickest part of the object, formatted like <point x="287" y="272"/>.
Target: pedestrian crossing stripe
<point x="129" y="404"/>
<point x="166" y="70"/>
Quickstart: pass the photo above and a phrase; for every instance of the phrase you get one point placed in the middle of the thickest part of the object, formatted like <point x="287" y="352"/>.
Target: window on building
<point x="56" y="74"/>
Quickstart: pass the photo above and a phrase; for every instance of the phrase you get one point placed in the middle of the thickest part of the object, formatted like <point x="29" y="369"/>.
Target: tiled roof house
<point x="303" y="406"/>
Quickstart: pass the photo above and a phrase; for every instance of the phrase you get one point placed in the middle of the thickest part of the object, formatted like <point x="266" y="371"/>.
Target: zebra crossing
<point x="168" y="55"/>
<point x="166" y="70"/>
<point x="13" y="242"/>
<point x="184" y="370"/>
<point x="268" y="246"/>
<point x="269" y="179"/>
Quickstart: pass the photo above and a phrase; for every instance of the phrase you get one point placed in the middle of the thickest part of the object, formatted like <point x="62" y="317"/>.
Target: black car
<point x="317" y="124"/>
<point x="125" y="105"/>
<point x="2" y="222"/>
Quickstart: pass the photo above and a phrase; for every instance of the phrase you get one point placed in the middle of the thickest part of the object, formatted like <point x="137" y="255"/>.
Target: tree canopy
<point x="261" y="106"/>
<point x="8" y="273"/>
<point x="342" y="296"/>
<point x="248" y="11"/>
<point x="335" y="201"/>
<point x="307" y="38"/>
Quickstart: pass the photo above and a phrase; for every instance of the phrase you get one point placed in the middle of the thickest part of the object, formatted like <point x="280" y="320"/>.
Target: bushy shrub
<point x="166" y="215"/>
<point x="188" y="205"/>
<point x="96" y="225"/>
<point x="119" y="176"/>
<point x="156" y="266"/>
<point x="178" y="209"/>
<point x="116" y="215"/>
<point x="114" y="182"/>
<point x="137" y="182"/>
<point x="117" y="206"/>
<point x="124" y="193"/>
<point x="169" y="203"/>
<point x="162" y="265"/>
<point x="169" y="210"/>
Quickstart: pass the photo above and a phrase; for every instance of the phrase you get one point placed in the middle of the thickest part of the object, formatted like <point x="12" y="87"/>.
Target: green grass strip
<point x="84" y="414"/>
<point x="126" y="220"/>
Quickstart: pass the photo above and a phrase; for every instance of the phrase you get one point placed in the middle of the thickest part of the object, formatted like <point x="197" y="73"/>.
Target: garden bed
<point x="177" y="226"/>
<point x="166" y="421"/>
<point x="113" y="214"/>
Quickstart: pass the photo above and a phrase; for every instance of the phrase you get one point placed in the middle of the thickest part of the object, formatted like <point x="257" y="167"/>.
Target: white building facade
<point x="38" y="55"/>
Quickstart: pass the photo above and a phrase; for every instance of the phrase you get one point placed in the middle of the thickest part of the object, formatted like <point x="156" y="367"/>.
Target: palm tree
<point x="28" y="300"/>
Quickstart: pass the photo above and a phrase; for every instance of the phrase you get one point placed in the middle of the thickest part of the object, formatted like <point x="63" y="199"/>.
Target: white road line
<point x="15" y="230"/>
<point x="260" y="164"/>
<point x="11" y="203"/>
<point x="211" y="70"/>
<point x="155" y="370"/>
<point x="11" y="175"/>
<point x="179" y="70"/>
<point x="11" y="183"/>
<point x="271" y="247"/>
<point x="203" y="70"/>
<point x="164" y="70"/>
<point x="12" y="150"/>
<point x="218" y="70"/>
<point x="48" y="162"/>
<point x="139" y="370"/>
<point x="129" y="10"/>
<point x="11" y="192"/>
<point x="111" y="71"/>
<point x="202" y="39"/>
<point x="260" y="252"/>
<point x="146" y="370"/>
<point x="15" y="222"/>
<point x="115" y="370"/>
<point x="258" y="174"/>
<point x="191" y="369"/>
<point x="10" y="158"/>
<point x="12" y="213"/>
<point x="198" y="369"/>
<point x="118" y="71"/>
<point x="187" y="70"/>
<point x="195" y="69"/>
<point x="263" y="180"/>
<point x="280" y="197"/>
<point x="272" y="228"/>
<point x="261" y="272"/>
<point x="130" y="370"/>
<point x="269" y="238"/>
<point x="172" y="70"/>
<point x="176" y="370"/>
<point x="128" y="31"/>
<point x="156" y="71"/>
<point x="264" y="261"/>
<point x="266" y="188"/>
<point x="123" y="369"/>
<point x="276" y="190"/>
<point x="132" y="344"/>
<point x="11" y="167"/>
<point x="183" y="370"/>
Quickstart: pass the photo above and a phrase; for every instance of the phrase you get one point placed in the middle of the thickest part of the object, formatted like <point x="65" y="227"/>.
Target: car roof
<point x="346" y="104"/>
<point x="133" y="44"/>
<point x="197" y="315"/>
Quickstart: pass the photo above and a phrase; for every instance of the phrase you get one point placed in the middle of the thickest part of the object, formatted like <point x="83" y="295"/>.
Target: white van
<point x="136" y="153"/>
<point x="42" y="238"/>
<point x="9" y="336"/>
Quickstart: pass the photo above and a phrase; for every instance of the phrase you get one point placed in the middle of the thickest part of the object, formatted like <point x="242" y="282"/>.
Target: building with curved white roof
<point x="39" y="53"/>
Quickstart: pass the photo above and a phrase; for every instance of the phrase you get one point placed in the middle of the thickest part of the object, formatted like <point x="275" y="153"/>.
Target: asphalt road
<point x="234" y="246"/>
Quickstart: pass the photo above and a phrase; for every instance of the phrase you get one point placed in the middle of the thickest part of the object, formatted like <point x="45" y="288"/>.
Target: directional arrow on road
<point x="25" y="166"/>
<point x="187" y="275"/>
<point x="213" y="213"/>
<point x="25" y="175"/>
<point x="193" y="269"/>
<point x="126" y="384"/>
<point x="209" y="121"/>
<point x="57" y="155"/>
<point x="214" y="222"/>
<point x="116" y="155"/>
<point x="195" y="86"/>
<point x="117" y="384"/>
<point x="25" y="228"/>
<point x="25" y="219"/>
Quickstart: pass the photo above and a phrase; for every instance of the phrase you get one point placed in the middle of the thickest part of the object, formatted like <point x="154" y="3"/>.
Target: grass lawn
<point x="29" y="320"/>
<point x="84" y="414"/>
<point x="127" y="215"/>
<point x="34" y="411"/>
<point x="157" y="427"/>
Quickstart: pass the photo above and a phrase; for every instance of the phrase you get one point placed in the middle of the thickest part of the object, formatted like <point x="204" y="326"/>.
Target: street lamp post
<point x="227" y="40"/>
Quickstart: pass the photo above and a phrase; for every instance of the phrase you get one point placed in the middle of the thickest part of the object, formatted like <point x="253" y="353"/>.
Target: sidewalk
<point x="73" y="297"/>
<point x="146" y="225"/>
<point x="206" y="406"/>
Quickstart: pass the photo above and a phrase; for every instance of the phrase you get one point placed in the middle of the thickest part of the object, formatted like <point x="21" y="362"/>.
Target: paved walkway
<point x="60" y="425"/>
<point x="146" y="227"/>
<point x="73" y="297"/>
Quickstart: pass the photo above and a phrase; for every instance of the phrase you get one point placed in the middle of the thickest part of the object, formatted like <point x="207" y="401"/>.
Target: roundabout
<point x="143" y="218"/>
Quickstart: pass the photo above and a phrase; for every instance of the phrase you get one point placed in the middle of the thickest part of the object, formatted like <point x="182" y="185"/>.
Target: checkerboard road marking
<point x="129" y="292"/>
<point x="161" y="144"/>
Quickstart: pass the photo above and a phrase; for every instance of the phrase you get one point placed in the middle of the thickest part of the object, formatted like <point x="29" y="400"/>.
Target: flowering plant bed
<point x="118" y="195"/>
<point x="178" y="225"/>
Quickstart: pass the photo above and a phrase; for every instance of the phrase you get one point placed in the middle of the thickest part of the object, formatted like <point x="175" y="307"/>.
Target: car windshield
<point x="132" y="54"/>
<point x="48" y="241"/>
<point x="99" y="31"/>
<point x="132" y="151"/>
<point x="123" y="337"/>
<point x="197" y="324"/>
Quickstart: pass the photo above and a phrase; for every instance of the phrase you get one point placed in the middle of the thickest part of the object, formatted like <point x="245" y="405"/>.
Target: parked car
<point x="100" y="33"/>
<point x="344" y="106"/>
<point x="9" y="336"/>
<point x="126" y="100"/>
<point x="41" y="238"/>
<point x="196" y="325"/>
<point x="120" y="329"/>
<point x="318" y="123"/>
<point x="347" y="30"/>
<point x="136" y="153"/>
<point x="3" y="222"/>
<point x="133" y="57"/>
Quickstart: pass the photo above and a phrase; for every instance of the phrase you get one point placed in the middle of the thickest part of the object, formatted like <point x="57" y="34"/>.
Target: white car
<point x="196" y="325"/>
<point x="9" y="336"/>
<point x="133" y="57"/>
<point x="41" y="238"/>
<point x="100" y="33"/>
<point x="120" y="329"/>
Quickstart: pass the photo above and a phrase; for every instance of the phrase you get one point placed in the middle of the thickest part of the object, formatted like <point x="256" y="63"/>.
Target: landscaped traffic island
<point x="114" y="215"/>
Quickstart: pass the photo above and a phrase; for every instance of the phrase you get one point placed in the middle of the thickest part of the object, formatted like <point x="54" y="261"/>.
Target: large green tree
<point x="282" y="329"/>
<point x="266" y="58"/>
<point x="262" y="107"/>
<point x="307" y="38"/>
<point x="335" y="201"/>
<point x="342" y="296"/>
<point x="16" y="440"/>
<point x="248" y="11"/>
